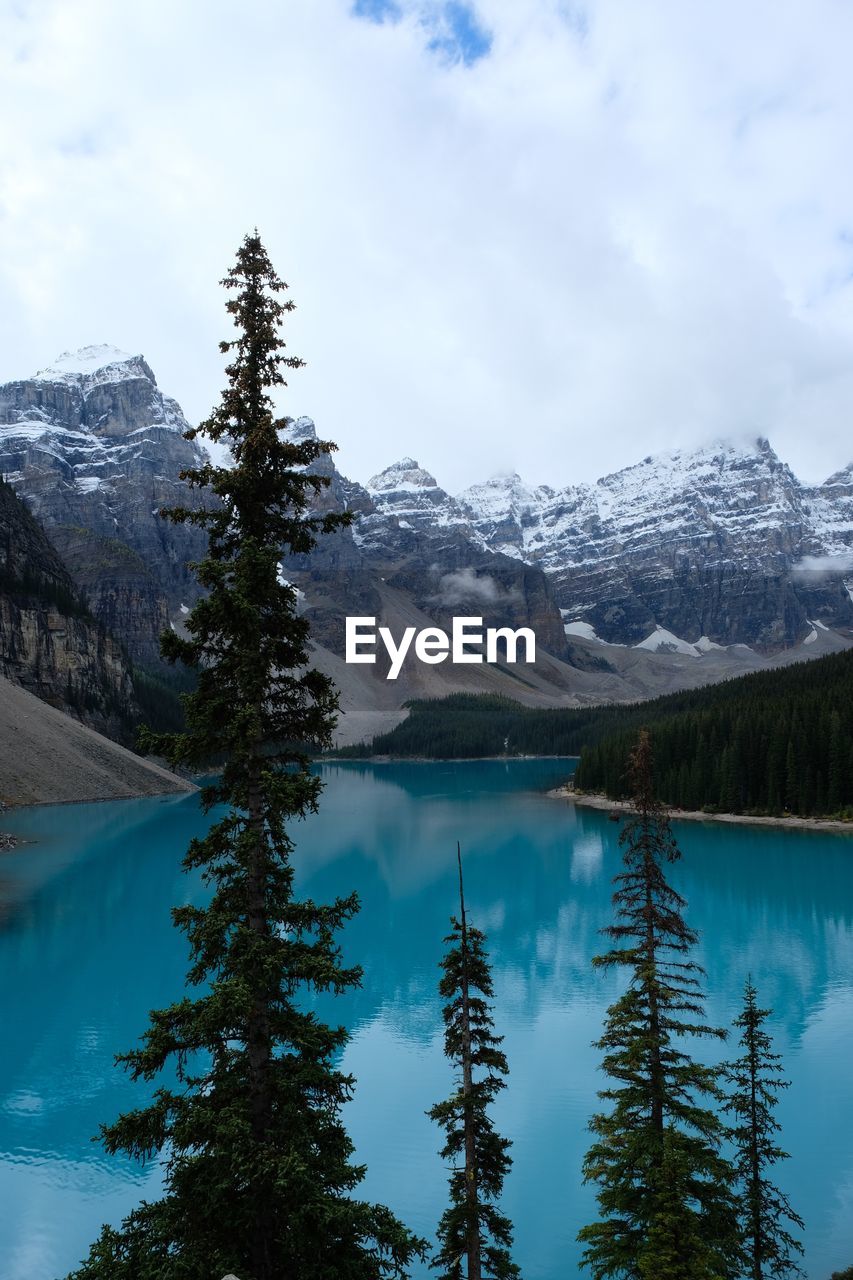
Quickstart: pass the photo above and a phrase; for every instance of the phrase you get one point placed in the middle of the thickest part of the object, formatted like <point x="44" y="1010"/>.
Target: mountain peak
<point x="406" y="474"/>
<point x="300" y="429"/>
<point x="842" y="477"/>
<point x="86" y="360"/>
<point x="94" y="366"/>
<point x="721" y="453"/>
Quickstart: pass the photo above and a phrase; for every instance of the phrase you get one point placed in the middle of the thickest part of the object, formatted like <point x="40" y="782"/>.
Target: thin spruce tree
<point x="475" y="1238"/>
<point x="259" y="1179"/>
<point x="755" y="1079"/>
<point x="665" y="1196"/>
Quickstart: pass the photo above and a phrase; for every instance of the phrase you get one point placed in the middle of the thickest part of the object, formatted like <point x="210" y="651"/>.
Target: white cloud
<point x="824" y="564"/>
<point x="625" y="228"/>
<point x="466" y="587"/>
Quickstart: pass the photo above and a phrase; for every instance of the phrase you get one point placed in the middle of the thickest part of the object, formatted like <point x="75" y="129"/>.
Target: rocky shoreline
<point x="597" y="801"/>
<point x="7" y="841"/>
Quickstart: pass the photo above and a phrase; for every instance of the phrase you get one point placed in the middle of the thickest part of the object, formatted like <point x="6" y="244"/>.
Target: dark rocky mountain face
<point x="96" y="449"/>
<point x="49" y="644"/>
<point x="442" y="567"/>
<point x="720" y="545"/>
<point x="715" y="542"/>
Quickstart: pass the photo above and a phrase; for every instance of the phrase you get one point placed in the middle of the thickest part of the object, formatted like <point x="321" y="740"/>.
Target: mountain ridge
<point x="96" y="447"/>
<point x="677" y="568"/>
<point x="730" y="516"/>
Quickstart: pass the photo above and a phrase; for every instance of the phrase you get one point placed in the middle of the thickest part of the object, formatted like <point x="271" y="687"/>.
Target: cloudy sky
<point x="521" y="234"/>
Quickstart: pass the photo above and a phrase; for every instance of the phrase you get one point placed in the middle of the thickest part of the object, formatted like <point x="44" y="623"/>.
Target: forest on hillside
<point x="466" y="726"/>
<point x="765" y="743"/>
<point x="770" y="743"/>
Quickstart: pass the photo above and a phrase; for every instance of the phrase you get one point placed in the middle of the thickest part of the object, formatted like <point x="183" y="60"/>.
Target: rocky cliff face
<point x="709" y="542"/>
<point x="402" y="539"/>
<point x="49" y="644"/>
<point x="720" y="545"/>
<point x="448" y="566"/>
<point x="96" y="448"/>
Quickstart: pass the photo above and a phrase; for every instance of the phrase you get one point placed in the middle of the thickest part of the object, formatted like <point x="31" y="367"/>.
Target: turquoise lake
<point x="87" y="948"/>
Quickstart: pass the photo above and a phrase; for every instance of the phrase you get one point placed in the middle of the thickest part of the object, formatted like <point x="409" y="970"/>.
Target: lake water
<point x="87" y="948"/>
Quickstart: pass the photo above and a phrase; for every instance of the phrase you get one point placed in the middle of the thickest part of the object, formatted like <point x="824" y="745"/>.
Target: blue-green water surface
<point x="87" y="948"/>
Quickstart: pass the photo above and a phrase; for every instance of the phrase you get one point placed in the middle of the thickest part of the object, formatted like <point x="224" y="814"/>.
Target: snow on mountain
<point x="505" y="512"/>
<point x="723" y="488"/>
<point x="412" y="497"/>
<point x="830" y="514"/>
<point x="689" y="541"/>
<point x="95" y="447"/>
<point x="704" y="645"/>
<point x="581" y="629"/>
<point x="663" y="641"/>
<point x="87" y="362"/>
<point x="658" y="641"/>
<point x="84" y="403"/>
<point x="299" y="430"/>
<point x="695" y="550"/>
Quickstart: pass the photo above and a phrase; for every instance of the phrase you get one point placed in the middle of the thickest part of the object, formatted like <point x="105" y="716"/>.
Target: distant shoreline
<point x="593" y="800"/>
<point x="431" y="759"/>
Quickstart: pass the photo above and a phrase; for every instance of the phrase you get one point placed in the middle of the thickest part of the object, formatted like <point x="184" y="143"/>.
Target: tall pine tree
<point x="756" y="1079"/>
<point x="664" y="1188"/>
<point x="258" y="1173"/>
<point x="475" y="1238"/>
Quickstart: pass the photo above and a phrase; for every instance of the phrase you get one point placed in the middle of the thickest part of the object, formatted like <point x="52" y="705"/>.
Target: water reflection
<point x="87" y="948"/>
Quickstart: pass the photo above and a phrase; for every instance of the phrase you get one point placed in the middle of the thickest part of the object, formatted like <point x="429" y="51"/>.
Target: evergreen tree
<point x="835" y="783"/>
<point x="475" y="1237"/>
<point x="755" y="1078"/>
<point x="664" y="1188"/>
<point x="258" y="1173"/>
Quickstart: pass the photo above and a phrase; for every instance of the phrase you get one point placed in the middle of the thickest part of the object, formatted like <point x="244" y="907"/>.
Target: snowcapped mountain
<point x="95" y="448"/>
<point x="720" y="543"/>
<point x="685" y="554"/>
<point x="829" y="512"/>
<point x="411" y="539"/>
<point x="409" y="497"/>
<point x="715" y="493"/>
<point x="700" y="542"/>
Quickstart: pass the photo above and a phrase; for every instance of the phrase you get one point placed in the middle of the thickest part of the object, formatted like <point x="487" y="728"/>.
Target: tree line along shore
<point x="775" y="744"/>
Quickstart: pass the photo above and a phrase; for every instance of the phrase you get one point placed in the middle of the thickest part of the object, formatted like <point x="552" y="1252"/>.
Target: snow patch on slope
<point x="704" y="645"/>
<point x="663" y="641"/>
<point x="582" y="629"/>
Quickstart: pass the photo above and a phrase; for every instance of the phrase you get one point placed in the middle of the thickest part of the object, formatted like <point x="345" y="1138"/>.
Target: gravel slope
<point x="48" y="758"/>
